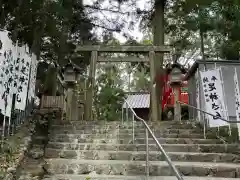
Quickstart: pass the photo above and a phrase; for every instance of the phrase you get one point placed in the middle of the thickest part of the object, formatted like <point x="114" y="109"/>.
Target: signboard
<point x="237" y="98"/>
<point x="197" y="96"/>
<point x="213" y="96"/>
<point x="22" y="67"/>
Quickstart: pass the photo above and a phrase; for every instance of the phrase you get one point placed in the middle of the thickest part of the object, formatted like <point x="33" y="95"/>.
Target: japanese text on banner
<point x="213" y="96"/>
<point x="197" y="96"/>
<point x="237" y="95"/>
<point x="22" y="75"/>
<point x="7" y="56"/>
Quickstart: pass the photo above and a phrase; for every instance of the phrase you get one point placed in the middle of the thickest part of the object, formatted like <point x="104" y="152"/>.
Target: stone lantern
<point x="175" y="76"/>
<point x="70" y="74"/>
<point x="175" y="80"/>
<point x="70" y="78"/>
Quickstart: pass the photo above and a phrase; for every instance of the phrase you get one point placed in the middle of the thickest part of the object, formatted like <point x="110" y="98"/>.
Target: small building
<point x="140" y="102"/>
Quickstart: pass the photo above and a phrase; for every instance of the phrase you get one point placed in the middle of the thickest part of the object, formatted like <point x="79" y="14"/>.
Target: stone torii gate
<point x="96" y="50"/>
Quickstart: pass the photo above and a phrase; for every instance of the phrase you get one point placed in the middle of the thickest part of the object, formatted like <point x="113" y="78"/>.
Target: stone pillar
<point x="153" y="91"/>
<point x="81" y="98"/>
<point x="81" y="112"/>
<point x="72" y="104"/>
<point x="74" y="107"/>
<point x="88" y="115"/>
<point x="177" y="106"/>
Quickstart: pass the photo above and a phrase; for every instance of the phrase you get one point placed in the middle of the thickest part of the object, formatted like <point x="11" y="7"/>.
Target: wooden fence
<point x="53" y="102"/>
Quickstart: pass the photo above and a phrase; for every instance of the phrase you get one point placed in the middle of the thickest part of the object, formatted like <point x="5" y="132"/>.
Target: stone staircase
<point x="98" y="151"/>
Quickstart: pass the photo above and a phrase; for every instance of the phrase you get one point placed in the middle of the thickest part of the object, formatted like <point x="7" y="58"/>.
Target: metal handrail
<point x="148" y="130"/>
<point x="205" y="112"/>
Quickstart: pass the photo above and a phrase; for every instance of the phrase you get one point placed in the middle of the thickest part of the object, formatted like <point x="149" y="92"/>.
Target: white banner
<point x="22" y="75"/>
<point x="213" y="95"/>
<point x="197" y="97"/>
<point x="7" y="112"/>
<point x="32" y="81"/>
<point x="8" y="54"/>
<point x="237" y="98"/>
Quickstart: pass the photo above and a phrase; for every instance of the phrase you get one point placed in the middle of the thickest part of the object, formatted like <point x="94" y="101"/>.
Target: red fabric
<point x="167" y="90"/>
<point x="166" y="95"/>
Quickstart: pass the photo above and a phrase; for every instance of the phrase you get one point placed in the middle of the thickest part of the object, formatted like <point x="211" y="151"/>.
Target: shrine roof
<point x="138" y="100"/>
<point x="191" y="72"/>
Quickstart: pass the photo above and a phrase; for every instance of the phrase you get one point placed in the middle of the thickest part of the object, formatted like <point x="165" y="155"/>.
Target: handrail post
<point x="3" y="131"/>
<point x="126" y="112"/>
<point x="172" y="166"/>
<point x="177" y="105"/>
<point x="206" y="122"/>
<point x="204" y="126"/>
<point x="147" y="154"/>
<point x="123" y="114"/>
<point x="133" y="130"/>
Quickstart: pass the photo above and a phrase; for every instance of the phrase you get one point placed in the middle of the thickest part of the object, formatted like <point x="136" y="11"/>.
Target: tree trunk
<point x="158" y="39"/>
<point x="50" y="84"/>
<point x="202" y="48"/>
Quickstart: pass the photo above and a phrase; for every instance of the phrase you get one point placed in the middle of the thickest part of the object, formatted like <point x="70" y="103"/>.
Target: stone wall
<point x="14" y="148"/>
<point x="23" y="153"/>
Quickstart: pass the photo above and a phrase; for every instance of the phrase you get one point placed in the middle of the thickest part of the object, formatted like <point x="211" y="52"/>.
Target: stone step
<point x="119" y="177"/>
<point x="65" y="122"/>
<point x="83" y="126"/>
<point x="127" y="131"/>
<point x="164" y="135"/>
<point x="212" y="148"/>
<point x="39" y="140"/>
<point x="115" y="126"/>
<point x="156" y="168"/>
<point x="31" y="166"/>
<point x="57" y="122"/>
<point x="125" y="135"/>
<point x="141" y="155"/>
<point x="129" y="140"/>
<point x="162" y="125"/>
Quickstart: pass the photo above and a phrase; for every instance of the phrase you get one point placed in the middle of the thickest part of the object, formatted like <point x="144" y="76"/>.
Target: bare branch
<point x="103" y="27"/>
<point x="109" y="10"/>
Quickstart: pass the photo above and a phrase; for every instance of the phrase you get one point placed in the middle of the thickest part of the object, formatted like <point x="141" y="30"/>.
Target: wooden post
<point x="68" y="104"/>
<point x="74" y="106"/>
<point x="81" y="98"/>
<point x="71" y="105"/>
<point x="91" y="86"/>
<point x="80" y="111"/>
<point x="177" y="106"/>
<point x="153" y="105"/>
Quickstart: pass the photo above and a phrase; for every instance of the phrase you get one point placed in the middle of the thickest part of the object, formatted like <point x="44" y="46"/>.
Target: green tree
<point x="141" y="80"/>
<point x="228" y="26"/>
<point x="109" y="93"/>
<point x="52" y="29"/>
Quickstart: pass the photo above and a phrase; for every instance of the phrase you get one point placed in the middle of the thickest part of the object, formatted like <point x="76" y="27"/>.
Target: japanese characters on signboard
<point x="237" y="95"/>
<point x="8" y="54"/>
<point x="197" y="96"/>
<point x="213" y="96"/>
<point x="22" y="75"/>
<point x="14" y="74"/>
<point x="237" y="99"/>
<point x="32" y="80"/>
